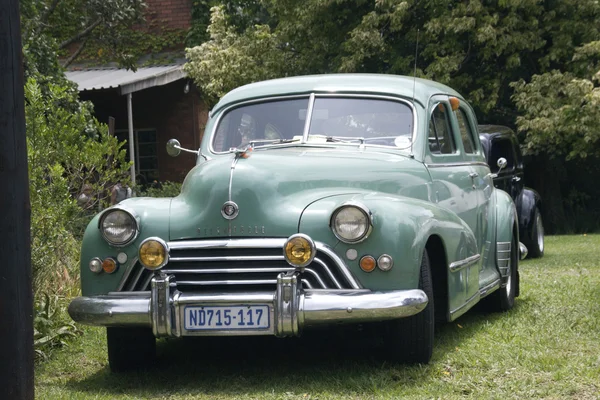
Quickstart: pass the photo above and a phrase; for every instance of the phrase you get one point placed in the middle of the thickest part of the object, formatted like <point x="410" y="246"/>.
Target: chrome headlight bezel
<point x="368" y="218"/>
<point x="135" y="229"/>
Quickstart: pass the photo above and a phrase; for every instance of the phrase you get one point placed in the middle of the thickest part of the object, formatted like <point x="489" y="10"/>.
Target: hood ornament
<point x="230" y="210"/>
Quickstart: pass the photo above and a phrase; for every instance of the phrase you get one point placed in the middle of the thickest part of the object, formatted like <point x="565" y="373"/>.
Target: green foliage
<point x="254" y="54"/>
<point x="164" y="189"/>
<point x="72" y="162"/>
<point x="51" y="325"/>
<point x="560" y="115"/>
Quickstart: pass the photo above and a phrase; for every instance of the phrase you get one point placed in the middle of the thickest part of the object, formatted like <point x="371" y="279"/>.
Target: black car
<point x="500" y="142"/>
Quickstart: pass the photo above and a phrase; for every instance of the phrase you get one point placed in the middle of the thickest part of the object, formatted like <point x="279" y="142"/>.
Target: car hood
<point x="272" y="188"/>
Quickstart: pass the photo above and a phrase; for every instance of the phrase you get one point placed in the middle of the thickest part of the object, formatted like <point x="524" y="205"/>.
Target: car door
<point x="483" y="185"/>
<point x="452" y="183"/>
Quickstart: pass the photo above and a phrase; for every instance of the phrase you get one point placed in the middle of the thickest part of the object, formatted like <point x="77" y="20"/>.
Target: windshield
<point x="351" y="120"/>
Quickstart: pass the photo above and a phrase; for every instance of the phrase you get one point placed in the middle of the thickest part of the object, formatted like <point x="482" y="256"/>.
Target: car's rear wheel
<point x="536" y="246"/>
<point x="503" y="299"/>
<point x="410" y="339"/>
<point x="130" y="348"/>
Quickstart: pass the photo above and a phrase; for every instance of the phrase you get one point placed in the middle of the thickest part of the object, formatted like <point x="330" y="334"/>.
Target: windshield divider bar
<point x="309" y="111"/>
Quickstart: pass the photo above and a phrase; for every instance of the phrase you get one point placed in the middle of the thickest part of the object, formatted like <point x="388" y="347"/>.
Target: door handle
<point x="473" y="175"/>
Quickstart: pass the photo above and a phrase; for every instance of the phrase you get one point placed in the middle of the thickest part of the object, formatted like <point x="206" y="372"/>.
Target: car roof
<point x="500" y="129"/>
<point x="382" y="84"/>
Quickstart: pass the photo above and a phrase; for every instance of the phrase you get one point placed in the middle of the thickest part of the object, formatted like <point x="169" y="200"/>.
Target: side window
<point x="466" y="134"/>
<point x="441" y="140"/>
<point x="502" y="147"/>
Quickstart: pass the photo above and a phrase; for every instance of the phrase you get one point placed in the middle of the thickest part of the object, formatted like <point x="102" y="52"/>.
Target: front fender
<point x="401" y="228"/>
<point x="526" y="204"/>
<point x="506" y="216"/>
<point x="153" y="219"/>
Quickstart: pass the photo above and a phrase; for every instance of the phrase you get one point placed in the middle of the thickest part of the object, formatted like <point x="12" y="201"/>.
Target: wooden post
<point x="16" y="303"/>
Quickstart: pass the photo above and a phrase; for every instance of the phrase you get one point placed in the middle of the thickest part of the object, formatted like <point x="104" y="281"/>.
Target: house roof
<point x="126" y="81"/>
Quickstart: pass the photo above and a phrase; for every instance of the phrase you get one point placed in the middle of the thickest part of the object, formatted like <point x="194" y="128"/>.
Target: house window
<point x="146" y="153"/>
<point x="146" y="157"/>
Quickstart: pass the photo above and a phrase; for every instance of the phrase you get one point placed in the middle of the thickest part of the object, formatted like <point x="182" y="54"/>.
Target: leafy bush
<point x="51" y="325"/>
<point x="72" y="161"/>
<point x="164" y="189"/>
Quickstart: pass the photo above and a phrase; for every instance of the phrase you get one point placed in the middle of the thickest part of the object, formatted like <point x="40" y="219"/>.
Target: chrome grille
<point x="240" y="264"/>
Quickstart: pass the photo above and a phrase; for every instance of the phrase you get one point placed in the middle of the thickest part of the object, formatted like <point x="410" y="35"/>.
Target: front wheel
<point x="410" y="339"/>
<point x="130" y="348"/>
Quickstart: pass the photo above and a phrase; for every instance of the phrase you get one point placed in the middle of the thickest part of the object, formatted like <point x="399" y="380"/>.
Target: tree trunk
<point x="16" y="303"/>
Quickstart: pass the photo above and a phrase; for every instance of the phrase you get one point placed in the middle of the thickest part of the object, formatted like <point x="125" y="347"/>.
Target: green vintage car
<point x="315" y="201"/>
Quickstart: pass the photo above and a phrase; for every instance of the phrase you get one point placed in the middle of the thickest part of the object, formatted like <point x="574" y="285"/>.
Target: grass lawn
<point x="548" y="346"/>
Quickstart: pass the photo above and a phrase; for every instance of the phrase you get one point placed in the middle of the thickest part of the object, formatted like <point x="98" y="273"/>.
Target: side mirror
<point x="501" y="163"/>
<point x="173" y="147"/>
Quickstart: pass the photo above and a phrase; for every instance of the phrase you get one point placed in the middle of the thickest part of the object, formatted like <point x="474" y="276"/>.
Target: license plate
<point x="226" y="317"/>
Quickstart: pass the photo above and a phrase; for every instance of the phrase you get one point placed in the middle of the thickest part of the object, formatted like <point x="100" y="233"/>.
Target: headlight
<point x="351" y="223"/>
<point x="118" y="227"/>
<point x="299" y="250"/>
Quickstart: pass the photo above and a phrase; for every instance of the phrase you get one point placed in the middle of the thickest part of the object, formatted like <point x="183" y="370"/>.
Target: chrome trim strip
<point x="133" y="283"/>
<point x="465" y="307"/>
<point x="458" y="164"/>
<point x="317" y="277"/>
<point x="329" y="273"/>
<point x="490" y="288"/>
<point x="228" y="258"/>
<point x="340" y="263"/>
<point x="467" y="262"/>
<point x="270" y="243"/>
<point x="309" y="113"/>
<point x="227" y="270"/>
<point x="125" y="276"/>
<point x="224" y="110"/>
<point x="228" y="282"/>
<point x="233" y="163"/>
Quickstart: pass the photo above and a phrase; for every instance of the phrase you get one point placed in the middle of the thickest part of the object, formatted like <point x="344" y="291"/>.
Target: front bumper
<point x="291" y="308"/>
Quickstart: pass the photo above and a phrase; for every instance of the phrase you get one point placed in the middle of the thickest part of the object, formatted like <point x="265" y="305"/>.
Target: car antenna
<point x="414" y="84"/>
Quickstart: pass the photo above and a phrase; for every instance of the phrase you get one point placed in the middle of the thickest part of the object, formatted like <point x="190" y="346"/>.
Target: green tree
<point x="67" y="27"/>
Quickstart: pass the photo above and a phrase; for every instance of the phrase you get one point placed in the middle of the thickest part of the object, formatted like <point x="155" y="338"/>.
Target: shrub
<point x="164" y="189"/>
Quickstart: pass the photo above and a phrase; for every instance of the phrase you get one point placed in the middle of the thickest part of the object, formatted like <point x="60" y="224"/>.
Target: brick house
<point x="148" y="107"/>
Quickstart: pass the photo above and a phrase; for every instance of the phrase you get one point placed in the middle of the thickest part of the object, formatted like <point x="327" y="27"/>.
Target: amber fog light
<point x="299" y="250"/>
<point x="368" y="263"/>
<point x="153" y="253"/>
<point x="109" y="265"/>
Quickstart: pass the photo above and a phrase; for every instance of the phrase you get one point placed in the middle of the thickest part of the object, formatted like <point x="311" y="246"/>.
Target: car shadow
<point x="342" y="361"/>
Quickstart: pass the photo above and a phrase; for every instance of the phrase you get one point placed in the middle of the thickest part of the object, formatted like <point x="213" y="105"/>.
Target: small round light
<point x="299" y="250"/>
<point x="95" y="265"/>
<point x="368" y="263"/>
<point x="153" y="253"/>
<point x="385" y="262"/>
<point x="351" y="223"/>
<point x="351" y="254"/>
<point x="109" y="265"/>
<point x="118" y="227"/>
<point x="122" y="258"/>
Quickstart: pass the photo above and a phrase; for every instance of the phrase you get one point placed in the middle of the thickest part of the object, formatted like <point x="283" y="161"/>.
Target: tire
<point x="536" y="246"/>
<point x="130" y="348"/>
<point x="503" y="299"/>
<point x="410" y="340"/>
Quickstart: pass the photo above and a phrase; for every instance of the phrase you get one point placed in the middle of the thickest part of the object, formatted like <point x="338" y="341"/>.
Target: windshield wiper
<point x="344" y="139"/>
<point x="272" y="141"/>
